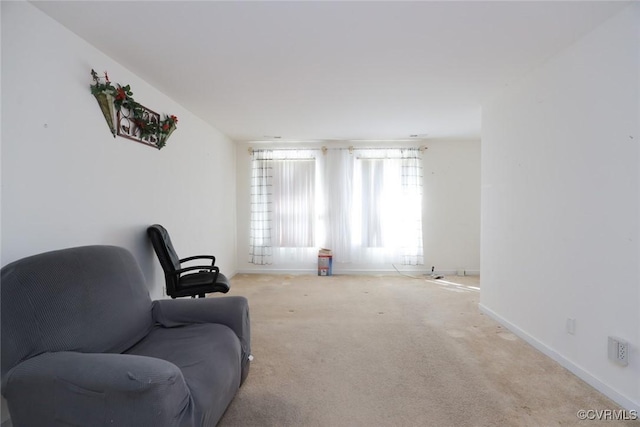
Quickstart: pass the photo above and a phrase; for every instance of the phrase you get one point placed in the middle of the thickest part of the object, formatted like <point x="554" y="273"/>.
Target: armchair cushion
<point x="199" y="350"/>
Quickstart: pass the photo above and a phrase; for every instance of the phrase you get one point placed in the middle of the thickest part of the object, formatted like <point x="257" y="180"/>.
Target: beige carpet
<point x="394" y="351"/>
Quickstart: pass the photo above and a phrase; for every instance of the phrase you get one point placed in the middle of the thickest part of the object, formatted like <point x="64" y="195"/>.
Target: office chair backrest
<point x="161" y="242"/>
<point x="169" y="259"/>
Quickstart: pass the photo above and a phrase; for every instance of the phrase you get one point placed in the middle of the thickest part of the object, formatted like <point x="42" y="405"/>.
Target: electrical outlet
<point x="618" y="351"/>
<point x="623" y="352"/>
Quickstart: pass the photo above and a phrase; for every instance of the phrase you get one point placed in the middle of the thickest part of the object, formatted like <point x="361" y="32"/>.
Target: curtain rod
<point x="325" y="149"/>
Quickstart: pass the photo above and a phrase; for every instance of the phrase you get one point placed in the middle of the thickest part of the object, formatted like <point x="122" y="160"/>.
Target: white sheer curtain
<point x="338" y="204"/>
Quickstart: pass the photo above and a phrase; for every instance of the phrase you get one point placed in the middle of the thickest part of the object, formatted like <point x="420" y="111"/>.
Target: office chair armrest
<point x="191" y="258"/>
<point x="89" y="388"/>
<point x="211" y="268"/>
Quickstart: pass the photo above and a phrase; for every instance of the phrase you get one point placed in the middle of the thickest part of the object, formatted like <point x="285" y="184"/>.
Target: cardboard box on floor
<point x="325" y="262"/>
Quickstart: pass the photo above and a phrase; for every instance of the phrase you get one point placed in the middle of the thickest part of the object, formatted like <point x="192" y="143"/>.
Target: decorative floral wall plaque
<point x="128" y="118"/>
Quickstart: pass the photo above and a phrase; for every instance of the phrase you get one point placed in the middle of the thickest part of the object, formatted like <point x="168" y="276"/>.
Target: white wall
<point x="451" y="210"/>
<point x="67" y="182"/>
<point x="560" y="205"/>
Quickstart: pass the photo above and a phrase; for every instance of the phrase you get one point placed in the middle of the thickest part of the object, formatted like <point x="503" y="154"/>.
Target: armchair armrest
<point x="230" y="311"/>
<point x="97" y="389"/>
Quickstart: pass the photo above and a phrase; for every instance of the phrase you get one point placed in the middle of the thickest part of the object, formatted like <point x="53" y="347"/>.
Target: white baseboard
<point x="276" y="271"/>
<point x="603" y="388"/>
<point x="354" y="271"/>
<point x="335" y="273"/>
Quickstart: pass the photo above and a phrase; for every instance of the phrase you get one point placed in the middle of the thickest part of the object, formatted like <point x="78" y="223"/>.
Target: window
<point x="364" y="204"/>
<point x="387" y="213"/>
<point x="283" y="205"/>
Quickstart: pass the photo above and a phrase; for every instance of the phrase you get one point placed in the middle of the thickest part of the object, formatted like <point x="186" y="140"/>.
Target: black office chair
<point x="205" y="280"/>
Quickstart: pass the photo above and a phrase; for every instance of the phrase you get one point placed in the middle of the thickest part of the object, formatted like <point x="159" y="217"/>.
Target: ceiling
<point x="325" y="70"/>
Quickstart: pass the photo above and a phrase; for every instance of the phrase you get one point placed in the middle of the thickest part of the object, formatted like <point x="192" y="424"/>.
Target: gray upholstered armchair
<point x="83" y="344"/>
